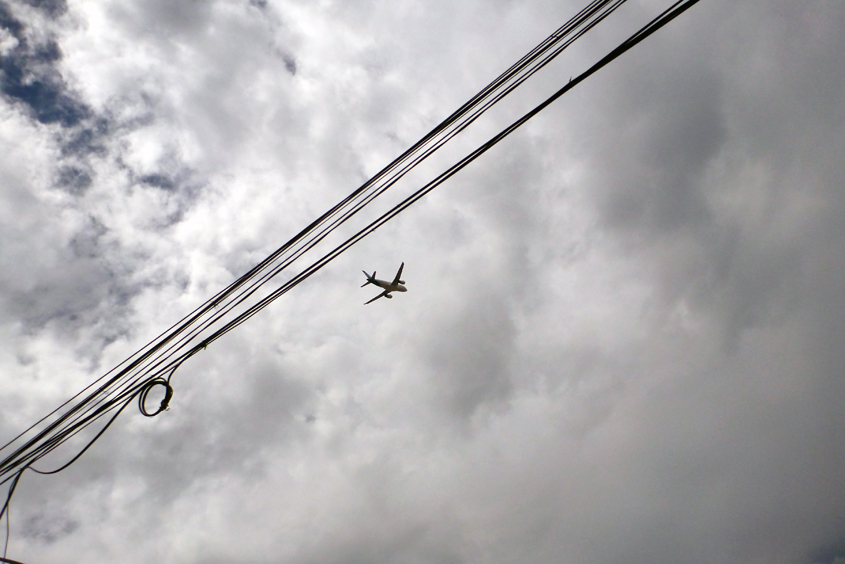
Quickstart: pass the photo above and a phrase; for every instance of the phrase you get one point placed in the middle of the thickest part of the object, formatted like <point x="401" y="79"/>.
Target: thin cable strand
<point x="108" y="396"/>
<point x="147" y="362"/>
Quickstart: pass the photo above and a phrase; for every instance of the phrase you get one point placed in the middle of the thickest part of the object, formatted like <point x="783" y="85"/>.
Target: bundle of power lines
<point x="154" y="365"/>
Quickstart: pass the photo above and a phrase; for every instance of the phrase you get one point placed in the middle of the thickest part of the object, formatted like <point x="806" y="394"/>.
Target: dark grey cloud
<point x="48" y="528"/>
<point x="74" y="179"/>
<point x="29" y="77"/>
<point x="53" y="8"/>
<point x="87" y="140"/>
<point x="659" y="137"/>
<point x="168" y="21"/>
<point x="290" y="63"/>
<point x="54" y="283"/>
<point x="469" y="355"/>
<point x="158" y="181"/>
<point x="832" y="554"/>
<point x="677" y="181"/>
<point x="9" y="22"/>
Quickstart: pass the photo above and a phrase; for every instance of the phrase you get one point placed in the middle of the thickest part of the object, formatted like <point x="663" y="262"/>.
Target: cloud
<point x="30" y="77"/>
<point x="622" y="336"/>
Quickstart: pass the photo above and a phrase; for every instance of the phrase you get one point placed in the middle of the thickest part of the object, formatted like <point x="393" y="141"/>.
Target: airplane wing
<point x="377" y="297"/>
<point x="399" y="274"/>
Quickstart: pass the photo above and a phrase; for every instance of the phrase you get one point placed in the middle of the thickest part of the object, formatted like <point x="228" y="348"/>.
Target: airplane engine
<point x="401" y="281"/>
<point x="388" y="296"/>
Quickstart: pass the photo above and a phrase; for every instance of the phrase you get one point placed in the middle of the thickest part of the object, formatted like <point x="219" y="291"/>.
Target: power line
<point x="155" y="359"/>
<point x="146" y="369"/>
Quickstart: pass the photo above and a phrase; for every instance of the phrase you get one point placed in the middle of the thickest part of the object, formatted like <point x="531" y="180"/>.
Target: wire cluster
<point x="154" y="364"/>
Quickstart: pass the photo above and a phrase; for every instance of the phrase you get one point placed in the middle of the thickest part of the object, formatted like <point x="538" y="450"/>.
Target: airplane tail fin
<point x="369" y="278"/>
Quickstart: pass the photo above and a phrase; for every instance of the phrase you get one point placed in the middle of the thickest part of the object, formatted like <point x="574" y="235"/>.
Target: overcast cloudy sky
<point x="624" y="335"/>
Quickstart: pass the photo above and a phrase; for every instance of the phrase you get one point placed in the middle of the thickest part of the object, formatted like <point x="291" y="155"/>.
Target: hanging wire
<point x="138" y="375"/>
<point x="155" y="358"/>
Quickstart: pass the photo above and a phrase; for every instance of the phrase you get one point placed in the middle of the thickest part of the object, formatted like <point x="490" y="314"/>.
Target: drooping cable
<point x="145" y="363"/>
<point x="135" y="379"/>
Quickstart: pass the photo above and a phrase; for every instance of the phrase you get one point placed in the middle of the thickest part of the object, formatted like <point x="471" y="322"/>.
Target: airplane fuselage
<point x="389" y="287"/>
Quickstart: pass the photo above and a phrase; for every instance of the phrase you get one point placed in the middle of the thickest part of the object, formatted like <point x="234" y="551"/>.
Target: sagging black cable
<point x="84" y="418"/>
<point x="561" y="33"/>
<point x="675" y="10"/>
<point x="263" y="303"/>
<point x="160" y="342"/>
<point x="141" y="392"/>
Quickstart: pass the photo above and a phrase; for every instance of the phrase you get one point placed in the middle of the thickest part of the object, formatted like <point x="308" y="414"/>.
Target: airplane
<point x="396" y="286"/>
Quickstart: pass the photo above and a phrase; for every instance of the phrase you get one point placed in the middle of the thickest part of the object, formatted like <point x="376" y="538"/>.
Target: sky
<point x="622" y="340"/>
